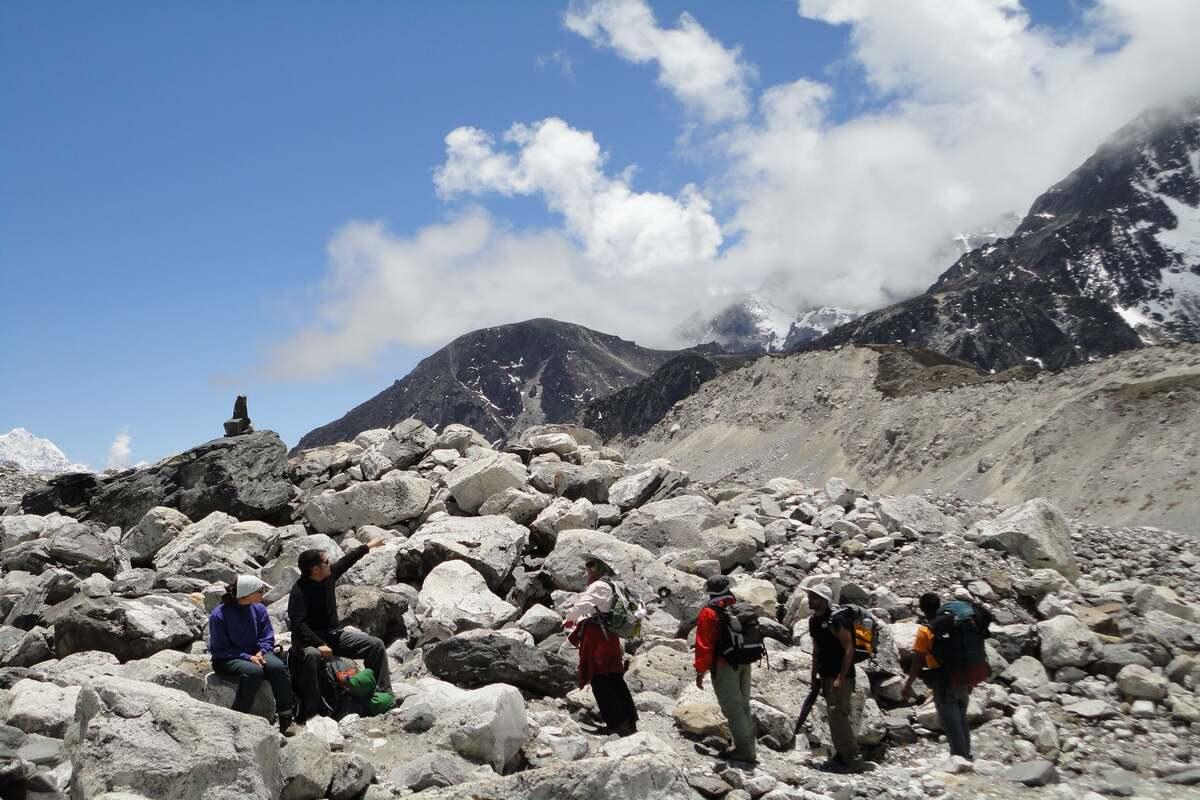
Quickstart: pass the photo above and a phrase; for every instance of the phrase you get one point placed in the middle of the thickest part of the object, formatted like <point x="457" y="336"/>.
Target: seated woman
<point x="241" y="641"/>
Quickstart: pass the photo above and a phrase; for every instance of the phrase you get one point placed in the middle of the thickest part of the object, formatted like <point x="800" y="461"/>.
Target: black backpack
<point x="960" y="629"/>
<point x="740" y="640"/>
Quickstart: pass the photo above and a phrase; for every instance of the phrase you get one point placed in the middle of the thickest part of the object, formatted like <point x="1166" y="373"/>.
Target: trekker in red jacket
<point x="731" y="682"/>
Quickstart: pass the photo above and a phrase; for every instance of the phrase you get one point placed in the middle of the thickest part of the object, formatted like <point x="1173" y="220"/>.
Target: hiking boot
<point x="737" y="759"/>
<point x="626" y="729"/>
<point x="285" y="724"/>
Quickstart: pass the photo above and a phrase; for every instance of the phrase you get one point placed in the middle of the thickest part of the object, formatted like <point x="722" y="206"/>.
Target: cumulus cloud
<point x="386" y="289"/>
<point x="977" y="112"/>
<point x="119" y="451"/>
<point x="706" y="76"/>
<point x="624" y="231"/>
<point x="972" y="112"/>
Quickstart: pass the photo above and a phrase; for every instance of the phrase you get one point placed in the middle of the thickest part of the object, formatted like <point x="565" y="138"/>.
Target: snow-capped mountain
<point x="33" y="454"/>
<point x="1105" y="260"/>
<point x="815" y="323"/>
<point x="753" y="324"/>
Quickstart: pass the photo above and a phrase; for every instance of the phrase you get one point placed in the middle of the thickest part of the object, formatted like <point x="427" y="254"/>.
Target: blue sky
<point x="173" y="175"/>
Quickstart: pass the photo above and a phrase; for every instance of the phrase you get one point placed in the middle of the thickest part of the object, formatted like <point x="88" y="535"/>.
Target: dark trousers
<point x="951" y="703"/>
<point x="250" y="676"/>
<point x="613" y="699"/>
<point x="343" y="643"/>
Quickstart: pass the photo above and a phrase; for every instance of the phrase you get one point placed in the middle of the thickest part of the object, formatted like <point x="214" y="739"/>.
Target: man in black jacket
<point x="313" y="618"/>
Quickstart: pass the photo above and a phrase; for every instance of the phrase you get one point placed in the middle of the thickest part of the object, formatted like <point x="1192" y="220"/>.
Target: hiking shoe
<point x="737" y="759"/>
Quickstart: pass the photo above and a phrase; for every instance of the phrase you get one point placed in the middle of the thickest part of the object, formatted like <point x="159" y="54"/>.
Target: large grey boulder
<point x="20" y="528"/>
<point x="913" y="512"/>
<point x="245" y="476"/>
<point x="128" y="628"/>
<point x="1037" y="533"/>
<point x="672" y="525"/>
<point x="307" y="767"/>
<point x="481" y="657"/>
<point x="154" y="530"/>
<point x="679" y="594"/>
<point x="520" y="505"/>
<point x="561" y="515"/>
<point x="406" y="445"/>
<point x="1067" y="642"/>
<point x="431" y="770"/>
<point x="642" y="777"/>
<point x="492" y="545"/>
<point x="43" y="708"/>
<point x="86" y="547"/>
<point x="486" y="725"/>
<point x="159" y="742"/>
<point x="640" y="483"/>
<point x="381" y="503"/>
<point x="352" y="774"/>
<point x="373" y="610"/>
<point x="218" y="548"/>
<point x="317" y="461"/>
<point x="454" y="597"/>
<point x="477" y="480"/>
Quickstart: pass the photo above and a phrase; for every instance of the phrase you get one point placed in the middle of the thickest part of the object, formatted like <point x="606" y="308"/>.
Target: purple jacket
<point x="237" y="631"/>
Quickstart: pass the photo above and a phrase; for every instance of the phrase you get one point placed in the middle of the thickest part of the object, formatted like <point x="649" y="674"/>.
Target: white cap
<point x="248" y="585"/>
<point x="821" y="590"/>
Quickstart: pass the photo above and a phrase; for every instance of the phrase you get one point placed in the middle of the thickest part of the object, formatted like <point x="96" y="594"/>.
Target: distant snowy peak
<point x="33" y="454"/>
<point x="816" y="323"/>
<point x="754" y="324"/>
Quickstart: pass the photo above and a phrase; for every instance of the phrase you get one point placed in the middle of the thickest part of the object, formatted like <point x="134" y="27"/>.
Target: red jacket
<point x="708" y="631"/>
<point x="600" y="651"/>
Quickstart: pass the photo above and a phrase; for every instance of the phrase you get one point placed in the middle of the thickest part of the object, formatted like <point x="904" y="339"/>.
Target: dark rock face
<point x="245" y="476"/>
<point x="477" y="658"/>
<point x="636" y="409"/>
<point x="501" y="380"/>
<point x="1100" y="264"/>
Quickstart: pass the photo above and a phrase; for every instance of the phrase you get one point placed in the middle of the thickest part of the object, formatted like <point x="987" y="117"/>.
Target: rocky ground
<point x="1114" y="442"/>
<point x="105" y="684"/>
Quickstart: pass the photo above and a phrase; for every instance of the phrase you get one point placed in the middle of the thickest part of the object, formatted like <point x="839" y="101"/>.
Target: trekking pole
<point x="807" y="708"/>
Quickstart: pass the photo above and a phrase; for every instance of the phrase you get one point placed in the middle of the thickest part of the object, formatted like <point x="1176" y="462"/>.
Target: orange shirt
<point x="924" y="646"/>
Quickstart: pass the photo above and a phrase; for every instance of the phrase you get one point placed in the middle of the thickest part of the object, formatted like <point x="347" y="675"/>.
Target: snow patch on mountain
<point x="755" y="324"/>
<point x="34" y="454"/>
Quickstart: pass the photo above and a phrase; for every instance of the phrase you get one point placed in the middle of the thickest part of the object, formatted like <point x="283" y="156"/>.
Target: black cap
<point x="717" y="584"/>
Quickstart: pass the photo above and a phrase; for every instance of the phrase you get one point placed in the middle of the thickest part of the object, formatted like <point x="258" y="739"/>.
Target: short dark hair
<point x="929" y="603"/>
<point x="309" y="560"/>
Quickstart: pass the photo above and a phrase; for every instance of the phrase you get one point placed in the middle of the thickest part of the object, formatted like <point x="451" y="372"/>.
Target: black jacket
<point x="312" y="605"/>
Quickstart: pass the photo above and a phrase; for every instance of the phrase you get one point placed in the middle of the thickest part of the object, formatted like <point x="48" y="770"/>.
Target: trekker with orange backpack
<point x="833" y="638"/>
<point x="949" y="655"/>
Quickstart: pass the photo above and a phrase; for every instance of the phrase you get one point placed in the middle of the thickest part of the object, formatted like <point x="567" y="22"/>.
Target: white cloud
<point x="119" y="451"/>
<point x="974" y="112"/>
<point x="978" y="112"/>
<point x="559" y="57"/>
<point x="704" y="75"/>
<point x="467" y="273"/>
<point x="624" y="231"/>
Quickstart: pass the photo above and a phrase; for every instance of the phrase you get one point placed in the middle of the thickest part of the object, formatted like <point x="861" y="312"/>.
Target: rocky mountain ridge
<point x="755" y="324"/>
<point x="1093" y="660"/>
<point x="1107" y="260"/>
<point x="501" y="380"/>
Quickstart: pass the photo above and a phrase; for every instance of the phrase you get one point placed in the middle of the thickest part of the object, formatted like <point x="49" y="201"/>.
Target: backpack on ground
<point x="960" y="629"/>
<point x="624" y="618"/>
<point x="864" y="628"/>
<point x="740" y="640"/>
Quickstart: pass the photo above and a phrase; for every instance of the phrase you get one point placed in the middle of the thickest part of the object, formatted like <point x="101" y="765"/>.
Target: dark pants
<point x="250" y="677"/>
<point x="343" y="643"/>
<point x="951" y="704"/>
<point x="613" y="699"/>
